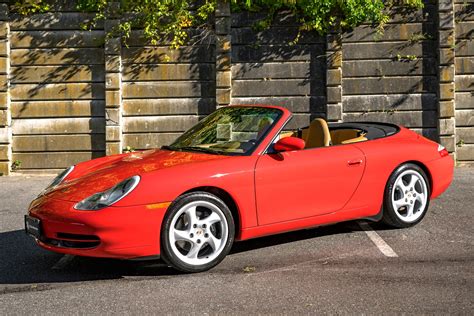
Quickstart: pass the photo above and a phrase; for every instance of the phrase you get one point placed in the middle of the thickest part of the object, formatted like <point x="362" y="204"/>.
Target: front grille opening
<point x="66" y="240"/>
<point x="77" y="237"/>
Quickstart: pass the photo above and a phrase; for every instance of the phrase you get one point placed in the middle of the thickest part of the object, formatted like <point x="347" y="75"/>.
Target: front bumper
<point x="113" y="232"/>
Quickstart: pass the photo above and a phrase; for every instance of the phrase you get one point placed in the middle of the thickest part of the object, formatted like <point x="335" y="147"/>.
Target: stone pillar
<point x="223" y="54"/>
<point x="113" y="84"/>
<point x="5" y="113"/>
<point x="334" y="76"/>
<point x="446" y="73"/>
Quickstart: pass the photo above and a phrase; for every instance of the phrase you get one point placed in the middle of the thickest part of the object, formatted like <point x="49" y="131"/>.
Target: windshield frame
<point x="280" y="114"/>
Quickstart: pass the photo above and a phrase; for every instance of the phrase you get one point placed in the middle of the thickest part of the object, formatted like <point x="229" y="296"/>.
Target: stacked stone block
<point x="223" y="54"/>
<point x="5" y="113"/>
<point x="113" y="84"/>
<point x="446" y="120"/>
<point x="464" y="79"/>
<point x="334" y="76"/>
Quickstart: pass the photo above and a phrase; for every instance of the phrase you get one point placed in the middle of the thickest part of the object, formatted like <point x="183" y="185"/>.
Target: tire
<point x="406" y="197"/>
<point x="196" y="243"/>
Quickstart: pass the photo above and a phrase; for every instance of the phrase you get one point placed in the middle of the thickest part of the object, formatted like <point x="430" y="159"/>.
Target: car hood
<point x="105" y="176"/>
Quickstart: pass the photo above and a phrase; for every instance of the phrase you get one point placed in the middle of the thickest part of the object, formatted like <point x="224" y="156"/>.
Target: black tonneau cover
<point x="372" y="130"/>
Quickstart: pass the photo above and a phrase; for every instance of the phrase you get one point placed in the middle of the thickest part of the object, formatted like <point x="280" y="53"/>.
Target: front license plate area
<point x="33" y="226"/>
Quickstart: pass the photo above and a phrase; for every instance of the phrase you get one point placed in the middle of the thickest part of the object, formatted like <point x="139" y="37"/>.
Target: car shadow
<point x="23" y="262"/>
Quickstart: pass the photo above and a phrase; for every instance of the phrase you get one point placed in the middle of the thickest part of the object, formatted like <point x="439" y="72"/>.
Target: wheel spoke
<point x="410" y="208"/>
<point x="413" y="180"/>
<point x="399" y="203"/>
<point x="191" y="215"/>
<point x="401" y="186"/>
<point x="194" y="251"/>
<point x="181" y="235"/>
<point x="214" y="242"/>
<point x="420" y="197"/>
<point x="211" y="219"/>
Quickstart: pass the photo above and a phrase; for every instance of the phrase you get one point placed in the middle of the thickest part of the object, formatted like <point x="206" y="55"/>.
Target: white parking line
<point x="63" y="262"/>
<point x="377" y="240"/>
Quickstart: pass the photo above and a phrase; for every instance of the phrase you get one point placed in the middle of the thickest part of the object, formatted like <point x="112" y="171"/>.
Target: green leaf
<point x="169" y="20"/>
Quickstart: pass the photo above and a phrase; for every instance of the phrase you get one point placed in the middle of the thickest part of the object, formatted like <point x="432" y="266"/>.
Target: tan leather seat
<point x="318" y="134"/>
<point x="287" y="134"/>
<point x="338" y="136"/>
<point x="361" y="138"/>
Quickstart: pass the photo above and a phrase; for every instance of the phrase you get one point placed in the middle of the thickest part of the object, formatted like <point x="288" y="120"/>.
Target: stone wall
<point x="268" y="70"/>
<point x="392" y="77"/>
<point x="464" y="80"/>
<point x="165" y="91"/>
<point x="68" y="95"/>
<point x="5" y="111"/>
<point x="55" y="89"/>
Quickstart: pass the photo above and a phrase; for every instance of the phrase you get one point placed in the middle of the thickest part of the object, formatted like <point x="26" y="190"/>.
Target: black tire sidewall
<point x="167" y="253"/>
<point x="389" y="215"/>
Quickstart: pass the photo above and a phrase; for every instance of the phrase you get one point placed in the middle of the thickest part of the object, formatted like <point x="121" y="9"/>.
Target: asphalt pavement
<point x="348" y="268"/>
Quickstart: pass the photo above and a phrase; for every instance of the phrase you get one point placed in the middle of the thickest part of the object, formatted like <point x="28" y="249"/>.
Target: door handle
<point x="354" y="162"/>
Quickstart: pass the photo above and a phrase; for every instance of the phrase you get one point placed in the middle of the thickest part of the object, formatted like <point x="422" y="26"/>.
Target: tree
<point x="172" y="18"/>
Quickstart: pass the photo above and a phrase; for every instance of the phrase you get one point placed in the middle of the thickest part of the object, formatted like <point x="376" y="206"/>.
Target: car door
<point x="297" y="184"/>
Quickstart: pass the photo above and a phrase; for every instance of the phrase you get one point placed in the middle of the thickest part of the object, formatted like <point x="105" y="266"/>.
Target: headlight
<point x="59" y="178"/>
<point x="103" y="199"/>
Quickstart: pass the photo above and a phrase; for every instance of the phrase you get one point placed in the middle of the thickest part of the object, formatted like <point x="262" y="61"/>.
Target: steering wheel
<point x="248" y="144"/>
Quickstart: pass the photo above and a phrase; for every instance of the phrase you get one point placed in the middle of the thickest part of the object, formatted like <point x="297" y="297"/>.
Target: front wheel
<point x="197" y="232"/>
<point x="407" y="196"/>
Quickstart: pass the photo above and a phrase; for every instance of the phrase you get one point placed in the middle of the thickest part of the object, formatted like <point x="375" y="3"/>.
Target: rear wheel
<point x="197" y="233"/>
<point x="407" y="196"/>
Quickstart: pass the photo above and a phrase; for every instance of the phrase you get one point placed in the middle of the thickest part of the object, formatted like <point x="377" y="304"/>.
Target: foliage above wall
<point x="171" y="18"/>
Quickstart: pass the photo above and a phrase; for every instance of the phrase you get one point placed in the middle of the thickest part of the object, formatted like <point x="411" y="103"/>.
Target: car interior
<point x="321" y="134"/>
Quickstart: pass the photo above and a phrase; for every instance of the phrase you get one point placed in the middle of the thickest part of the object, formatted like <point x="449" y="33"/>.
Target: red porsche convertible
<point x="240" y="173"/>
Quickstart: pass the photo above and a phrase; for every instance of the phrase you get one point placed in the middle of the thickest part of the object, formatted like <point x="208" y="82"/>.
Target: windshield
<point x="229" y="130"/>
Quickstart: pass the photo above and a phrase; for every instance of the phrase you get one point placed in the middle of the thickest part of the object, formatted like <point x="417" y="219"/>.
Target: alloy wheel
<point x="409" y="196"/>
<point x="198" y="232"/>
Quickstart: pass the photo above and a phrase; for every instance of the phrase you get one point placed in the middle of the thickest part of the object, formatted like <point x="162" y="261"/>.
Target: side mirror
<point x="289" y="144"/>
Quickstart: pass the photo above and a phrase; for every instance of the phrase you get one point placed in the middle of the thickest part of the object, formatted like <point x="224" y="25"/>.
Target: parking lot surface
<point x="348" y="268"/>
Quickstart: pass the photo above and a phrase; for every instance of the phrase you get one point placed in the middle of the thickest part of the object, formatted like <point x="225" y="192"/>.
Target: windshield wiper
<point x="166" y="147"/>
<point x="200" y="149"/>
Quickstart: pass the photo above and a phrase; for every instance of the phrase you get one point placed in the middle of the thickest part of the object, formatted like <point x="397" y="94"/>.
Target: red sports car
<point x="240" y="173"/>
